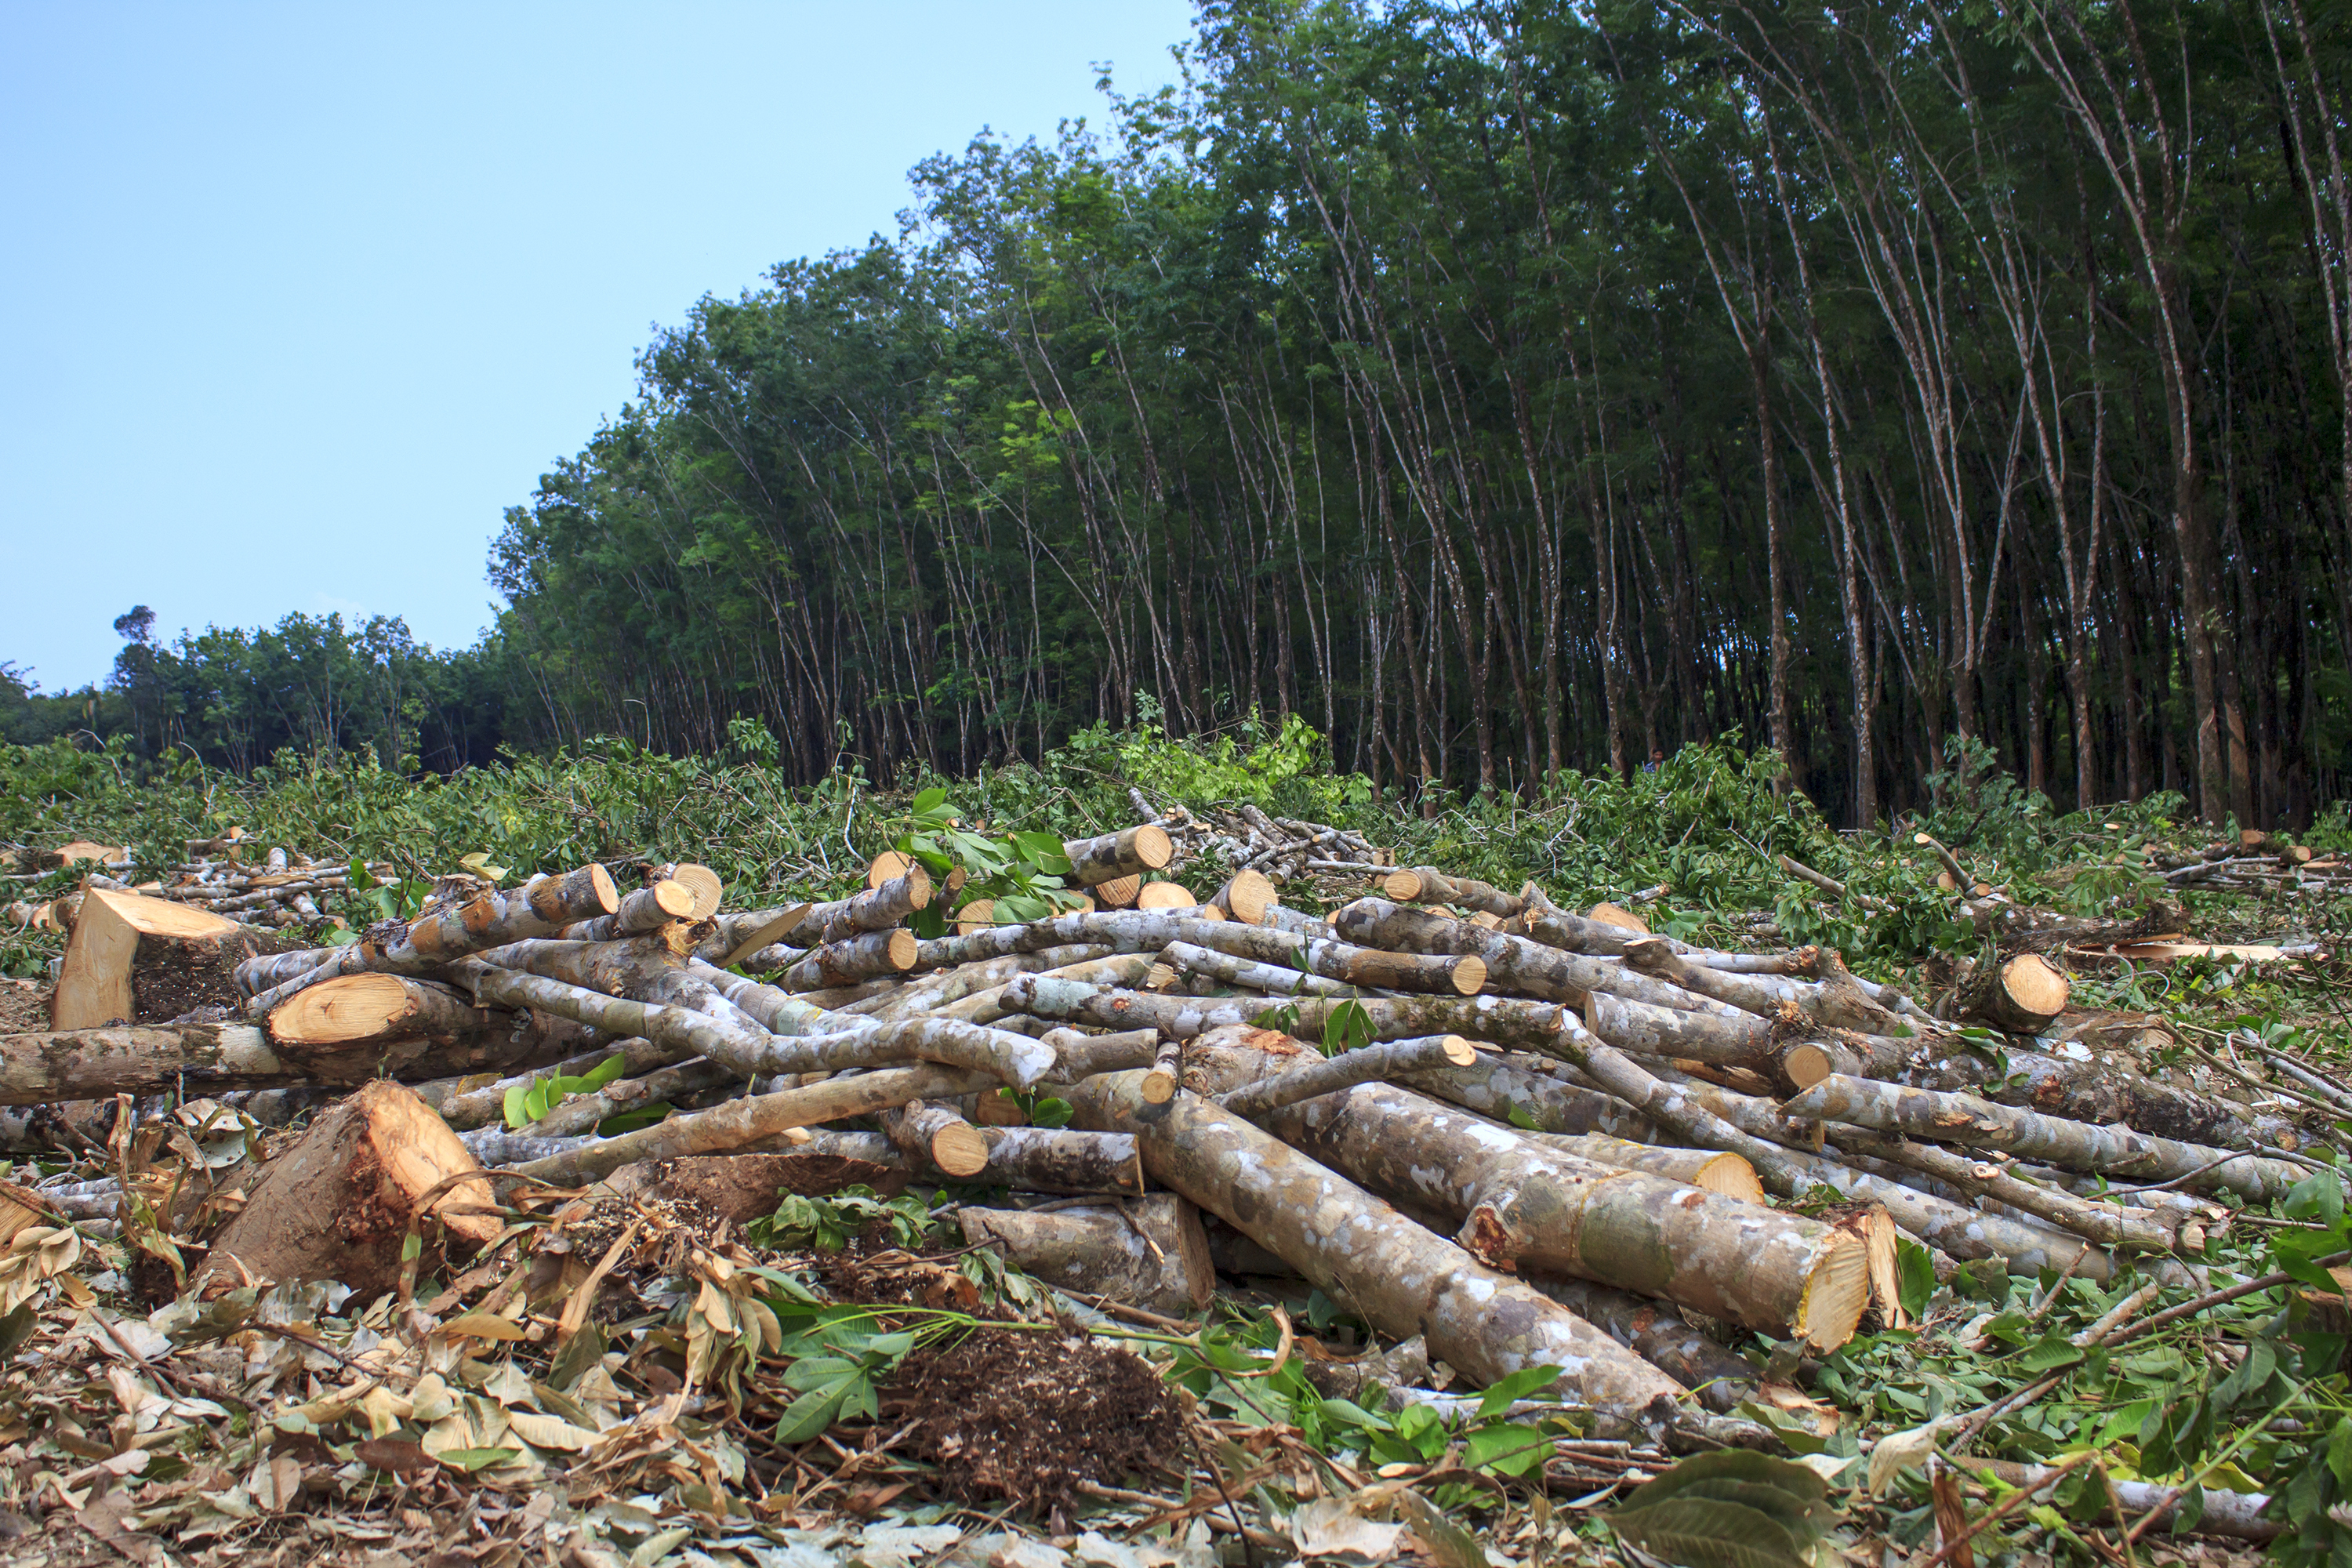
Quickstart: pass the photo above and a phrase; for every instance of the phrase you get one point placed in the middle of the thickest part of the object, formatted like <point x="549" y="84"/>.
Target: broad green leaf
<point x="1506" y="1450"/>
<point x="2048" y="1353"/>
<point x="1914" y="1276"/>
<point x="472" y="1460"/>
<point x="1513" y="1386"/>
<point x="1701" y="1532"/>
<point x="517" y="1106"/>
<point x="2319" y="1197"/>
<point x="603" y="1073"/>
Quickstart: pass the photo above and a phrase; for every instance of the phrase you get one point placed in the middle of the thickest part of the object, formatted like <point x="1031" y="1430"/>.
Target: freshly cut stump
<point x="339" y="1204"/>
<point x="115" y="933"/>
<point x="1150" y="1253"/>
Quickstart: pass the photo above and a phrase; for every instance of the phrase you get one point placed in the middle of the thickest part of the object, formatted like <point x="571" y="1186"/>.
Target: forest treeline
<point x="1513" y="386"/>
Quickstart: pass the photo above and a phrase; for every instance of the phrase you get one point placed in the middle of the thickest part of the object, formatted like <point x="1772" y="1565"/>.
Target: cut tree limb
<point x="1404" y="1278"/>
<point x="1428" y="885"/>
<point x="2115" y="1150"/>
<point x="1524" y="1205"/>
<point x="356" y="1010"/>
<point x="1126" y="853"/>
<point x="2023" y="995"/>
<point x="1385" y="1061"/>
<point x="1150" y="1253"/>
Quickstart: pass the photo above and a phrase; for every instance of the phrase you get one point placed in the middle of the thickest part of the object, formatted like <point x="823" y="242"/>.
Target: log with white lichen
<point x="1520" y="1088"/>
<point x="847" y="963"/>
<point x="1126" y="853"/>
<point x="1150" y="1253"/>
<point x="1062" y="1160"/>
<point x="1513" y="963"/>
<point x="2113" y="1225"/>
<point x="1188" y="961"/>
<point x="741" y="1122"/>
<point x="648" y="909"/>
<point x="2103" y="1088"/>
<point x="1842" y="1005"/>
<point x="1403" y="1278"/>
<point x="1428" y="885"/>
<point x="1523" y="1204"/>
<point x="2114" y="1150"/>
<point x="877" y="908"/>
<point x="1655" y="1331"/>
<point x="1712" y="1169"/>
<point x="209" y="1058"/>
<point x="1079" y="1055"/>
<point x="2022" y="995"/>
<point x="936" y="1137"/>
<point x="1445" y="974"/>
<point x="1501" y="1020"/>
<point x="1384" y="1061"/>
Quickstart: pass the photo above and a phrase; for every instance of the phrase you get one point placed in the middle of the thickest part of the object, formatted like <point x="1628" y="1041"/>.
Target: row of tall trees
<point x="235" y="698"/>
<point x="1512" y="384"/>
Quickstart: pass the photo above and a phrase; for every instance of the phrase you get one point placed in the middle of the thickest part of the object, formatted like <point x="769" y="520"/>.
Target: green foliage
<point x="828" y="1224"/>
<point x="1020" y="872"/>
<point x="527" y="1103"/>
<point x="1728" y="1509"/>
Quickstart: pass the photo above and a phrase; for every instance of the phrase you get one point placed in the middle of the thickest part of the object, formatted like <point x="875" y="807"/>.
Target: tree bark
<point x="847" y="963"/>
<point x="1150" y="1253"/>
<point x="1428" y="885"/>
<point x="1385" y="1062"/>
<point x="1403" y="1278"/>
<point x="1524" y="1206"/>
<point x="1126" y="853"/>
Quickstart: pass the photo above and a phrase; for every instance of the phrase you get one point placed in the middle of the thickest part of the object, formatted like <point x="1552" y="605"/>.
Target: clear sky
<point x="298" y="298"/>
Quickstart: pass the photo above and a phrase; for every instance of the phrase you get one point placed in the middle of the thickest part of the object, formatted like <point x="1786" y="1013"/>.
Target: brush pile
<point x="1504" y="1135"/>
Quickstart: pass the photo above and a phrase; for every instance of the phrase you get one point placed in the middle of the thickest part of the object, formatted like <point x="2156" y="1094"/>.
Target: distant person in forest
<point x="1657" y="759"/>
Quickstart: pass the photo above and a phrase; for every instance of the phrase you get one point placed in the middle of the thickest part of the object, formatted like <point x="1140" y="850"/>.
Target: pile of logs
<point x="279" y="888"/>
<point x="1522" y="1134"/>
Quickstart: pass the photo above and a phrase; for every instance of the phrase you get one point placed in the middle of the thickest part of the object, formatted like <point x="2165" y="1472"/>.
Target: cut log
<point x="1150" y="1253"/>
<point x="2114" y="1150"/>
<point x="740" y="1122"/>
<point x="708" y="890"/>
<point x="2023" y="996"/>
<point x="648" y="909"/>
<point x="847" y="963"/>
<point x="977" y="916"/>
<point x="1428" y="885"/>
<point x="541" y="907"/>
<point x="935" y="1136"/>
<point x="1063" y="1160"/>
<point x="206" y="1057"/>
<point x="2111" y="1224"/>
<point x="1385" y="1062"/>
<point x="1523" y="1204"/>
<point x="1524" y="1091"/>
<point x="2103" y="1089"/>
<point x="884" y="866"/>
<point x="580" y="1113"/>
<point x="356" y="1010"/>
<point x="339" y="1206"/>
<point x="1501" y="1020"/>
<point x="1838" y="1006"/>
<point x="1710" y="1170"/>
<point x="117" y="932"/>
<point x="1164" y="896"/>
<point x="1120" y="892"/>
<point x="1659" y="1336"/>
<point x="1403" y="1278"/>
<point x="1078" y="1055"/>
<point x="1648" y="1031"/>
<point x="1126" y="853"/>
<point x="1513" y="963"/>
<point x="1244" y="899"/>
<point x="79" y="851"/>
<point x="744" y="1187"/>
<point x="1623" y="919"/>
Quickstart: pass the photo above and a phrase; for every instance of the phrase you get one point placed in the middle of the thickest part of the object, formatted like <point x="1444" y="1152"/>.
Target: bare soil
<point x="1027" y="1416"/>
<point x="171" y="980"/>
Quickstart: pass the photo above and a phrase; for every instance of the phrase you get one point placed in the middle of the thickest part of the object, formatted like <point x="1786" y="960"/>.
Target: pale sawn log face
<point x="1404" y="1278"/>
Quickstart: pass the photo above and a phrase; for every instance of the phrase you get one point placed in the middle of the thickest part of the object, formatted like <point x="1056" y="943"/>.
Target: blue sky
<point x="295" y="301"/>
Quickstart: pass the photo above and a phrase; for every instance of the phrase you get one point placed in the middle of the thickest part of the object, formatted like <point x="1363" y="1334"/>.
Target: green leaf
<point x="636" y="1116"/>
<point x="931" y="799"/>
<point x="815" y="1410"/>
<point x="2319" y="1197"/>
<point x="2049" y="1352"/>
<point x="2339" y="1451"/>
<point x="1506" y="1450"/>
<point x="1914" y="1271"/>
<point x="1050" y="1112"/>
<point x="603" y="1073"/>
<point x="472" y="1460"/>
<point x="1702" y="1532"/>
<point x="1346" y="1027"/>
<point x="15" y="1329"/>
<point x="1515" y="1385"/>
<point x="517" y="1104"/>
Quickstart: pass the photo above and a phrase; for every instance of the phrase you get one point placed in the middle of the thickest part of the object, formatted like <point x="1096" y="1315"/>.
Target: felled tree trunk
<point x="933" y="1136"/>
<point x="2023" y="995"/>
<point x="1513" y="963"/>
<point x="1657" y="1333"/>
<point x="1244" y="899"/>
<point x="1522" y="1205"/>
<point x="1150" y="1253"/>
<point x="1063" y="1160"/>
<point x="1444" y="974"/>
<point x="2097" y="1091"/>
<point x="1188" y="961"/>
<point x="1838" y="1006"/>
<point x="847" y="963"/>
<point x="1385" y="1062"/>
<point x="1122" y="854"/>
<point x="1514" y="1087"/>
<point x="1428" y="885"/>
<point x="1711" y="1170"/>
<point x="1078" y="1055"/>
<point x="1977" y="1123"/>
<point x="112" y="934"/>
<point x="879" y="908"/>
<point x="361" y="1010"/>
<point x="339" y="1205"/>
<point x="91" y="1063"/>
<point x="741" y="1122"/>
<point x="2113" y="1225"/>
<point x="1403" y="1278"/>
<point x="648" y="909"/>
<point x="1502" y="1020"/>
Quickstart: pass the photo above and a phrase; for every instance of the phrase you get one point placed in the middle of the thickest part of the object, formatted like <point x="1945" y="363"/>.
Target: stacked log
<point x="1528" y="1135"/>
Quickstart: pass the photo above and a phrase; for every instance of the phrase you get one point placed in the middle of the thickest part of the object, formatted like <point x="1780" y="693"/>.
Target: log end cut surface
<point x="334" y="1012"/>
